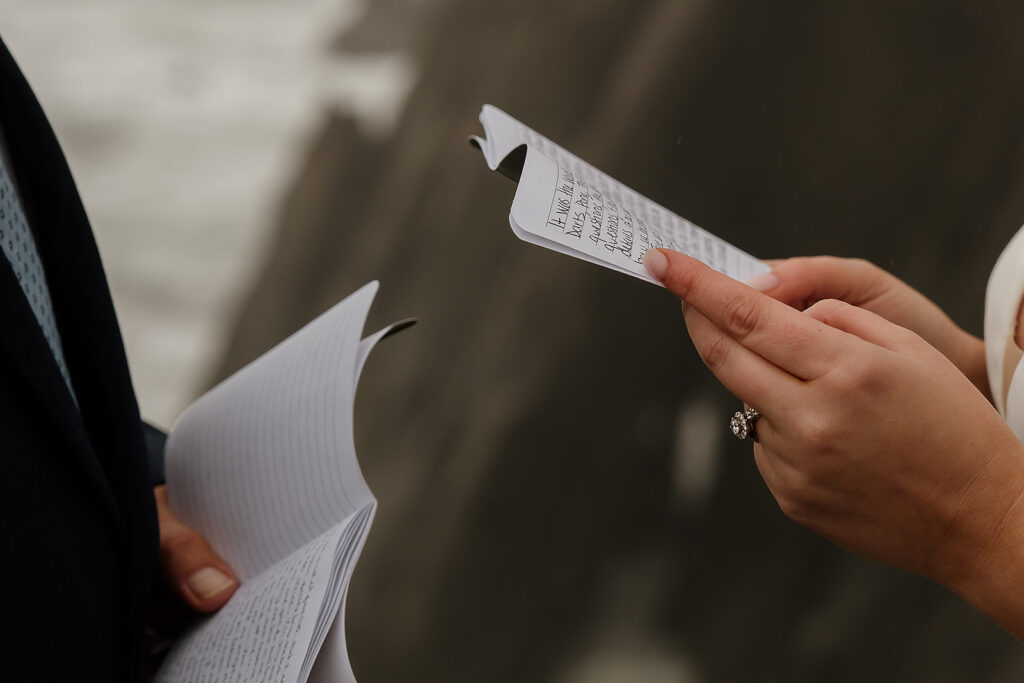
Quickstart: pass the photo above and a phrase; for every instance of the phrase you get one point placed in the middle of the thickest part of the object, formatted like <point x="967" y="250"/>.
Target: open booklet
<point x="264" y="466"/>
<point x="565" y="204"/>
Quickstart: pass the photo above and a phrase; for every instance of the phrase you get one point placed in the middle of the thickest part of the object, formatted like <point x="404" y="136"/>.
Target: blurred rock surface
<point x="182" y="122"/>
<point x="527" y="439"/>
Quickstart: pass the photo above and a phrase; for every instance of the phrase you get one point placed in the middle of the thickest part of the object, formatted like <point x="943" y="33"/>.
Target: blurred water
<point x="183" y="122"/>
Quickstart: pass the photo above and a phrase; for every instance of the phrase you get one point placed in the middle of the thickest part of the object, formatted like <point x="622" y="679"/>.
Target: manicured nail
<point x="762" y="282"/>
<point x="208" y="582"/>
<point x="656" y="264"/>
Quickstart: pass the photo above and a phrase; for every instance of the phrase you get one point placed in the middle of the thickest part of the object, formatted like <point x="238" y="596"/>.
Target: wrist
<point x="971" y="361"/>
<point x="984" y="562"/>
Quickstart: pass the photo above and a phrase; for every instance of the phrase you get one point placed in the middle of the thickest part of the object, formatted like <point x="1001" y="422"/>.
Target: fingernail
<point x="656" y="264"/>
<point x="762" y="282"/>
<point x="208" y="582"/>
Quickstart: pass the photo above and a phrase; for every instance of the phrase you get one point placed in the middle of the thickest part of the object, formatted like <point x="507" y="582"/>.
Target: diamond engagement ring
<point x="742" y="424"/>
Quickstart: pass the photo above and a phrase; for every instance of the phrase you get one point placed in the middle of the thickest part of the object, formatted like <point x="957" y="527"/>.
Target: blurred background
<point x="558" y="501"/>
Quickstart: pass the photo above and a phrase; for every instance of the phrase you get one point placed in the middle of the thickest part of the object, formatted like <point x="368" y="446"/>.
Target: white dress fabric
<point x="1002" y="302"/>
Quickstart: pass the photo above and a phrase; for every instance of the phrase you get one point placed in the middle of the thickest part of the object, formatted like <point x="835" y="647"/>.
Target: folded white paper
<point x="565" y="204"/>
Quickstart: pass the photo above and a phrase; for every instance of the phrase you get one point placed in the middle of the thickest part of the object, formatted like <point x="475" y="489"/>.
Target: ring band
<point x="742" y="424"/>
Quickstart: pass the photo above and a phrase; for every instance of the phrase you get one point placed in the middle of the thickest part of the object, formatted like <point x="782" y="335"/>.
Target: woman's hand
<point x="868" y="435"/>
<point x="803" y="282"/>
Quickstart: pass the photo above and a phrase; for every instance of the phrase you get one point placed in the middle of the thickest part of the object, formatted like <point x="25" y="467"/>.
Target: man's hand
<point x="190" y="567"/>
<point x="804" y="281"/>
<point x="193" y="580"/>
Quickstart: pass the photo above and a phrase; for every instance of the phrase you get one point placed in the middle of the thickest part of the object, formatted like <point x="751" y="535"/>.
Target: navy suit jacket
<point x="77" y="520"/>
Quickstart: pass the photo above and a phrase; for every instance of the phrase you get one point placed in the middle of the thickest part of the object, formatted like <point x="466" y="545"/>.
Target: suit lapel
<point x="21" y="338"/>
<point x="104" y="434"/>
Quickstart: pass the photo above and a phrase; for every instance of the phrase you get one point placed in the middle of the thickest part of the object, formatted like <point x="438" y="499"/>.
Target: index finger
<point x="785" y="337"/>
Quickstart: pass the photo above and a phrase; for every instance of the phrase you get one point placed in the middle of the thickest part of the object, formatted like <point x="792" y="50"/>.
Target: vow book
<point x="264" y="466"/>
<point x="564" y="203"/>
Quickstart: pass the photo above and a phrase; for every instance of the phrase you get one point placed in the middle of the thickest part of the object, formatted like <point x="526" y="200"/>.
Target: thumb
<point x="802" y="282"/>
<point x="190" y="566"/>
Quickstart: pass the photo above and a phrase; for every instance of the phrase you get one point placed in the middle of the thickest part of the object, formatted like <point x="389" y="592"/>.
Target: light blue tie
<point x="20" y="248"/>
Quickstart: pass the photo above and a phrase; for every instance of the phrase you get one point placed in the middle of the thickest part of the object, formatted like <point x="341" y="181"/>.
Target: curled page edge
<point x="329" y="659"/>
<point x="502" y="143"/>
<point x="510" y="165"/>
<point x="368" y="344"/>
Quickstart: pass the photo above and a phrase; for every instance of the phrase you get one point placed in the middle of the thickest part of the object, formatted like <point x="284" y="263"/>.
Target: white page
<point x="565" y="204"/>
<point x="265" y="461"/>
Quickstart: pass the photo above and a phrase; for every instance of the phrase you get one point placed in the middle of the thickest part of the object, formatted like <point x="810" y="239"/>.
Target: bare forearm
<point x="972" y="363"/>
<point x="985" y="564"/>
